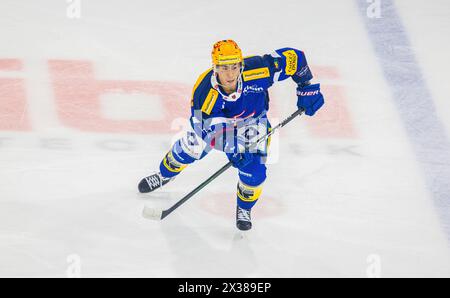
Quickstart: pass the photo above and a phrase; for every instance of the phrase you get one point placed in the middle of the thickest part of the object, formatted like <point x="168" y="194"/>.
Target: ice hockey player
<point x="228" y="113"/>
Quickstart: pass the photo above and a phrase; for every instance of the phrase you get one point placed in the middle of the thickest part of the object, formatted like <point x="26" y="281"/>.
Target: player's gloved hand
<point x="240" y="160"/>
<point x="309" y="98"/>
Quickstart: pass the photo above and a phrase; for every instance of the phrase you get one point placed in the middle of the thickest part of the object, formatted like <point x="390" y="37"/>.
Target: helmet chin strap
<point x="230" y="97"/>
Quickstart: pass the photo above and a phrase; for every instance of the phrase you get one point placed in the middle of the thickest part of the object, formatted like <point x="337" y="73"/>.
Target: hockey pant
<point x="190" y="148"/>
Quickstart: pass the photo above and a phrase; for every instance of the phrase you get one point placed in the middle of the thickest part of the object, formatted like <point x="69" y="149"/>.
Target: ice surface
<point x="345" y="195"/>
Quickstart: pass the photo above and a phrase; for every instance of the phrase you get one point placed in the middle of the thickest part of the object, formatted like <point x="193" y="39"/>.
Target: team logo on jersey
<point x="253" y="89"/>
<point x="291" y="62"/>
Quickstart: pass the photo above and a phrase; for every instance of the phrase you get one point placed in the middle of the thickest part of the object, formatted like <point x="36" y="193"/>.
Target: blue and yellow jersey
<point x="259" y="74"/>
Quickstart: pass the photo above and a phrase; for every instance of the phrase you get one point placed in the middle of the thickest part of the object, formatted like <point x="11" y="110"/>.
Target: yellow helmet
<point x="226" y="52"/>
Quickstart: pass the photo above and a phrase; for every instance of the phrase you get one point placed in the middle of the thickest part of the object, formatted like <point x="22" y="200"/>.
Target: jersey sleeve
<point x="288" y="63"/>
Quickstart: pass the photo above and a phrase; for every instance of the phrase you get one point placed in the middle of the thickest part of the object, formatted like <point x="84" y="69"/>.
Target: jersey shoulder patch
<point x="291" y="62"/>
<point x="204" y="96"/>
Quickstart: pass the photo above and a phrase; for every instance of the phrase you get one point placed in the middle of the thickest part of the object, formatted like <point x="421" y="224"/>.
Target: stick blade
<point x="152" y="213"/>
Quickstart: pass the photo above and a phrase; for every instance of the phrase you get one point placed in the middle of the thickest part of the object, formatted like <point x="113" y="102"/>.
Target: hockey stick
<point x="159" y="214"/>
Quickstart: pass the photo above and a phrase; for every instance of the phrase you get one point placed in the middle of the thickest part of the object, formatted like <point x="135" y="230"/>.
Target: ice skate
<point x="152" y="182"/>
<point x="243" y="219"/>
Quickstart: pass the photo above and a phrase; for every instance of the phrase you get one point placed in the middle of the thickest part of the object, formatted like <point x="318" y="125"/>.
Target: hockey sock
<point x="247" y="195"/>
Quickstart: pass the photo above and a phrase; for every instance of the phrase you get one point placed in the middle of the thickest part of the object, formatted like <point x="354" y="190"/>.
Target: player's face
<point x="228" y="74"/>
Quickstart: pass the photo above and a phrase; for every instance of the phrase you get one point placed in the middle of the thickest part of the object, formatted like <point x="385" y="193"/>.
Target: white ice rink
<point x="92" y="95"/>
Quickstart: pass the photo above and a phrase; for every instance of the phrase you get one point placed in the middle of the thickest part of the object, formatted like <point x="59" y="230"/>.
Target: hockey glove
<point x="309" y="98"/>
<point x="240" y="160"/>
